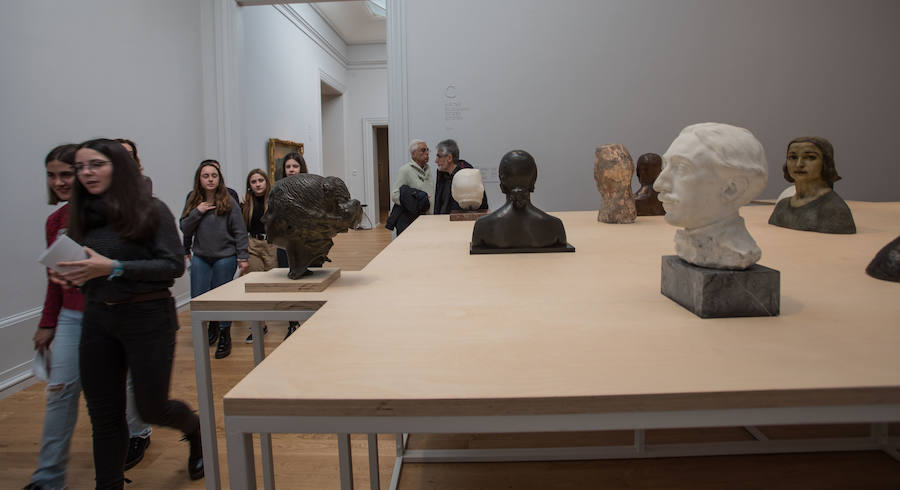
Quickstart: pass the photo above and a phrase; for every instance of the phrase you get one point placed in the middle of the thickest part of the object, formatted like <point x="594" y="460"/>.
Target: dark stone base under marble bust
<point x="716" y="293"/>
<point x="478" y="251"/>
<point x="468" y="215"/>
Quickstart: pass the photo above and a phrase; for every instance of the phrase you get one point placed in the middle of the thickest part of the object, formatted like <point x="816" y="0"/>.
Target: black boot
<point x="195" y="459"/>
<point x="292" y="326"/>
<point x="137" y="446"/>
<point x="224" y="348"/>
<point x="213" y="332"/>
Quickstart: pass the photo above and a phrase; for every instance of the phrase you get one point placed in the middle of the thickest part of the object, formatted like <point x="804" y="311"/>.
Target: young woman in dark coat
<point x="134" y="256"/>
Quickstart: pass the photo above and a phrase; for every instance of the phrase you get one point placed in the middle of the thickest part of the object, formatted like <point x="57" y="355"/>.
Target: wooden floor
<point x="310" y="461"/>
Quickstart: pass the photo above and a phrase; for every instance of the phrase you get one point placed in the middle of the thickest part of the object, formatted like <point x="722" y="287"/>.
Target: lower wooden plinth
<point x="276" y="280"/>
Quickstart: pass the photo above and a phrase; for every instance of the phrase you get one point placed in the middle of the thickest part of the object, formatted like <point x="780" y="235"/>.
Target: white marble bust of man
<point x="709" y="172"/>
<point x="467" y="188"/>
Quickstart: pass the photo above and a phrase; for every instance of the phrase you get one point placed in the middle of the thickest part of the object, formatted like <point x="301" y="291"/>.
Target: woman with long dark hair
<point x="262" y="253"/>
<point x="213" y="217"/>
<point x="294" y="164"/>
<point x="134" y="256"/>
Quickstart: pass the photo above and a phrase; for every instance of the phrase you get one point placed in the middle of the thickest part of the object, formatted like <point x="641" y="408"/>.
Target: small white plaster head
<point x="467" y="188"/>
<point x="709" y="172"/>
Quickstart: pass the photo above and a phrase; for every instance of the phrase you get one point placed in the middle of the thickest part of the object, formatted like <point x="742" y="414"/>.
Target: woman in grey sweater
<point x="213" y="217"/>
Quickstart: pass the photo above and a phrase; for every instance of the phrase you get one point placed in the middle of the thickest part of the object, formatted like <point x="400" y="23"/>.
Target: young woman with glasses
<point x="134" y="256"/>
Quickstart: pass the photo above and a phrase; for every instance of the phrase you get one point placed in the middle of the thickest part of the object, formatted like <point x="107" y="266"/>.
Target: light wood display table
<point x="431" y="339"/>
<point x="230" y="302"/>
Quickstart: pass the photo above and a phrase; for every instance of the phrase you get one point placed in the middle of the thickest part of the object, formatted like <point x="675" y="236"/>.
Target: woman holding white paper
<point x="129" y="318"/>
<point x="59" y="330"/>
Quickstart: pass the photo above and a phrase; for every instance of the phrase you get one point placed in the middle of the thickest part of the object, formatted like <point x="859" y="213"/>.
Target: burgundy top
<point x="57" y="297"/>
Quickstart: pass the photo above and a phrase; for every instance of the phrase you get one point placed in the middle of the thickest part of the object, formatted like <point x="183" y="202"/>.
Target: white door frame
<point x="370" y="178"/>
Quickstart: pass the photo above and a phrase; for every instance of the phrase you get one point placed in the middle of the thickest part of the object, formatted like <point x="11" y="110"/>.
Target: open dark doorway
<point x="382" y="171"/>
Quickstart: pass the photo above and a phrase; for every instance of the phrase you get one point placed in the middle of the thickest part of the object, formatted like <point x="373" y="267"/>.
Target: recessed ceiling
<point x="353" y="21"/>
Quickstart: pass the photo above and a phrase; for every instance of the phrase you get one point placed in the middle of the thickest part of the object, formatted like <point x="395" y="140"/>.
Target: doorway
<point x="382" y="170"/>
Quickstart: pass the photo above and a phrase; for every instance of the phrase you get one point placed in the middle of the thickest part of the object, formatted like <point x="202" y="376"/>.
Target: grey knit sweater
<point x="217" y="236"/>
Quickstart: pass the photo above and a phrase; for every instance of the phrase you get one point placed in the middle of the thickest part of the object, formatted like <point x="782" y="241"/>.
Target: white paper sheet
<point x="63" y="249"/>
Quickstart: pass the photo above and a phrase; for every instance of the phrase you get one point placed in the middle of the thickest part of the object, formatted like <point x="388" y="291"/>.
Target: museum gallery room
<point x="468" y="244"/>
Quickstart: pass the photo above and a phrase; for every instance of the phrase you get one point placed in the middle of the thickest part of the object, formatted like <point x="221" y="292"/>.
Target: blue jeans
<point x="136" y="425"/>
<point x="61" y="413"/>
<point x="208" y="274"/>
<point x="63" y="391"/>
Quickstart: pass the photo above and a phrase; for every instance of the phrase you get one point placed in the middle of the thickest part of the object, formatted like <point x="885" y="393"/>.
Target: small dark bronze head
<point x="649" y="166"/>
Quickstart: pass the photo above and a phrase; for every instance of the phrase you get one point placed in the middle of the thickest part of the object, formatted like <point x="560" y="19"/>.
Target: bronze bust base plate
<point x="480" y="251"/>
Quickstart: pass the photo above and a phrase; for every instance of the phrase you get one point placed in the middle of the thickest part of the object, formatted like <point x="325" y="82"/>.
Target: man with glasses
<point x="448" y="163"/>
<point x="413" y="190"/>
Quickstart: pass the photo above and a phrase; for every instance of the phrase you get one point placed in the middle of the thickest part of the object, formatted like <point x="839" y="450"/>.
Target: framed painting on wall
<point x="277" y="150"/>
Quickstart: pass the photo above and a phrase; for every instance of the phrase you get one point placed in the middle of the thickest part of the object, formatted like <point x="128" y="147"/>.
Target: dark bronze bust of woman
<point x="815" y="206"/>
<point x="518" y="226"/>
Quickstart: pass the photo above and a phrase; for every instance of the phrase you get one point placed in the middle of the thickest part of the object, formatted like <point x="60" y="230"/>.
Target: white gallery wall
<point x="287" y="52"/>
<point x="78" y="70"/>
<point x="187" y="81"/>
<point x="561" y="78"/>
<point x="367" y="104"/>
<point x="280" y="83"/>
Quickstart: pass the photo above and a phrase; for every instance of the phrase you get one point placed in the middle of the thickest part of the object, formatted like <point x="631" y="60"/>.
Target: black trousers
<point x="114" y="339"/>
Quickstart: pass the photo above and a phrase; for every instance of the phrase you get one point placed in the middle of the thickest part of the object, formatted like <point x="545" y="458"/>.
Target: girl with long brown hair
<point x="294" y="164"/>
<point x="262" y="253"/>
<point x="213" y="217"/>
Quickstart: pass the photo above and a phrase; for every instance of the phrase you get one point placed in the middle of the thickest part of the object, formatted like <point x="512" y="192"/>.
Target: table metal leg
<point x="259" y="348"/>
<point x="205" y="406"/>
<point x="265" y="439"/>
<point x="398" y="463"/>
<point x="241" y="472"/>
<point x="346" y="461"/>
<point x="374" y="479"/>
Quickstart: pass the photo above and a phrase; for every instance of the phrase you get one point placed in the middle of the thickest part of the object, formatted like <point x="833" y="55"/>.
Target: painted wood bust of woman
<point x="815" y="206"/>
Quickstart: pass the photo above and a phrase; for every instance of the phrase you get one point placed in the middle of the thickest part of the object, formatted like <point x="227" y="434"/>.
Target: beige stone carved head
<point x="613" y="169"/>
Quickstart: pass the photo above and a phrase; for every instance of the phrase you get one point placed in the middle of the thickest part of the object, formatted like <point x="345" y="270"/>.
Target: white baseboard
<point x="18" y="377"/>
<point x="17" y="383"/>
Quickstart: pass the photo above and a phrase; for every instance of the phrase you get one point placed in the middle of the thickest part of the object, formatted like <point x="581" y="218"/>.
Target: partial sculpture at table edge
<point x="886" y="263"/>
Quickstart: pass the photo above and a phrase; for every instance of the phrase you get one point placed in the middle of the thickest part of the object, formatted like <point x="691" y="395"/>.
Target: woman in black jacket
<point x="134" y="256"/>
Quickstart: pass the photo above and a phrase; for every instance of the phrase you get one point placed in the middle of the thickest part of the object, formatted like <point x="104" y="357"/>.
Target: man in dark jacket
<point x="413" y="203"/>
<point x="448" y="163"/>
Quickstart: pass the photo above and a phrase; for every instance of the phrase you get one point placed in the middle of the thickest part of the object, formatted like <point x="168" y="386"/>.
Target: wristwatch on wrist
<point x="117" y="270"/>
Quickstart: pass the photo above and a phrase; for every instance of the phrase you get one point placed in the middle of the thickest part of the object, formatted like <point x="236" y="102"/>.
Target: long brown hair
<point x="128" y="203"/>
<point x="250" y="197"/>
<point x="222" y="199"/>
